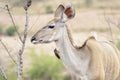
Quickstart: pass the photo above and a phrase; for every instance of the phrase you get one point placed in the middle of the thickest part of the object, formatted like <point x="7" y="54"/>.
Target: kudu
<point x="94" y="60"/>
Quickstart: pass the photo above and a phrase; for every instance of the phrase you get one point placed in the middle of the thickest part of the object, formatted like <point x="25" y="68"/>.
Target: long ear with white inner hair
<point x="59" y="11"/>
<point x="69" y="13"/>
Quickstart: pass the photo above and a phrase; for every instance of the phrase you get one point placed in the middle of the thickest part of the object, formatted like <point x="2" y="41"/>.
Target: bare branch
<point x="20" y="66"/>
<point x="2" y="71"/>
<point x="109" y="21"/>
<point x="20" y="62"/>
<point x="26" y="27"/>
<point x="27" y="4"/>
<point x="13" y="23"/>
<point x="6" y="49"/>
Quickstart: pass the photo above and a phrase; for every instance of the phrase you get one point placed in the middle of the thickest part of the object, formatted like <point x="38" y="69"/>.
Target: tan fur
<point x="104" y="64"/>
<point x="94" y="60"/>
<point x="105" y="58"/>
<point x="99" y="56"/>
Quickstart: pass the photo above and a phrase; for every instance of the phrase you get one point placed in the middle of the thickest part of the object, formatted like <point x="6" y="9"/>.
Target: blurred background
<point x="39" y="61"/>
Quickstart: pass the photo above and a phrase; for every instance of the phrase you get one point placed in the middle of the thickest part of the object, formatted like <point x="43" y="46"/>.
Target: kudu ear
<point x="64" y="14"/>
<point x="59" y="11"/>
<point x="69" y="12"/>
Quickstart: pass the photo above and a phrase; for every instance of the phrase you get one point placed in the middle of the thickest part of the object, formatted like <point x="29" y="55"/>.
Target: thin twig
<point x="34" y="23"/>
<point x="118" y="25"/>
<point x="2" y="71"/>
<point x="114" y="23"/>
<point x="2" y="8"/>
<point x="107" y="20"/>
<point x="6" y="49"/>
<point x="13" y="23"/>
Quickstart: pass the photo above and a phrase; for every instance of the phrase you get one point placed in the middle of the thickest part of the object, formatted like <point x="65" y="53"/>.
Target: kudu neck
<point x="66" y="38"/>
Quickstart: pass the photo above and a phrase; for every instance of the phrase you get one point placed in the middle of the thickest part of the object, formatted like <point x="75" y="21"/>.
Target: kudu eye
<point x="51" y="27"/>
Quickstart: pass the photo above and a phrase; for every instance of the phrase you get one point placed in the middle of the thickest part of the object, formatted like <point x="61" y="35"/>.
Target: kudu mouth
<point x="34" y="41"/>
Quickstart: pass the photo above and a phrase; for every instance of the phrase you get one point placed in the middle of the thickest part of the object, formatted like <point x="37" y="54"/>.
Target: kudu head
<point x="52" y="31"/>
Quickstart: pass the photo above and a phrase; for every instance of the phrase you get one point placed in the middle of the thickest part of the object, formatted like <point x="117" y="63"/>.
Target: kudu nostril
<point x="32" y="39"/>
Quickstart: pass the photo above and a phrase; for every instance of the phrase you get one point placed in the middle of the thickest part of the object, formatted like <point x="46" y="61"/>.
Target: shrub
<point x="88" y="3"/>
<point x="45" y="67"/>
<point x="118" y="45"/>
<point x="1" y="78"/>
<point x="9" y="71"/>
<point x="49" y="9"/>
<point x="10" y="31"/>
<point x="1" y="30"/>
